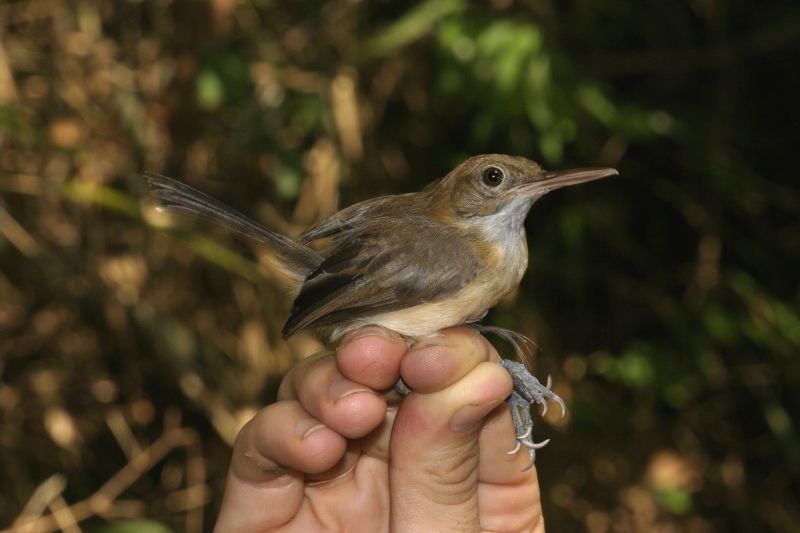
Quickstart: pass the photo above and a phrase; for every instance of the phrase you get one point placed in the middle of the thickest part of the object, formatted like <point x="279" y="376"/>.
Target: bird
<point x="413" y="263"/>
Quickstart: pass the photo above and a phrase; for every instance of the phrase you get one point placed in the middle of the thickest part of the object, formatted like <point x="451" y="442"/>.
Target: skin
<point x="341" y="451"/>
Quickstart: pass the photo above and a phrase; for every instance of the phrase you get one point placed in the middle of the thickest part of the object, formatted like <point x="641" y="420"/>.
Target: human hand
<point x="342" y="451"/>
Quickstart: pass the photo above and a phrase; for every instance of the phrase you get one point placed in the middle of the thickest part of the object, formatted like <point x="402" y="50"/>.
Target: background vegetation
<point x="665" y="302"/>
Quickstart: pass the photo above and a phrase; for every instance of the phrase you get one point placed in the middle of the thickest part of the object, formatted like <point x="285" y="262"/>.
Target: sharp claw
<point x="563" y="407"/>
<point x="535" y="445"/>
<point x="532" y="447"/>
<point x="549" y="382"/>
<point x="544" y="410"/>
<point x="520" y="440"/>
<point x="533" y="459"/>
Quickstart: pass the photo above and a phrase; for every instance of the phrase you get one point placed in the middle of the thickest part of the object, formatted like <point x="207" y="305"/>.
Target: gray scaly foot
<point x="530" y="391"/>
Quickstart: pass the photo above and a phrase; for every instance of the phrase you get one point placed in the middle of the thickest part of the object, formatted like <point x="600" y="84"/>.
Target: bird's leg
<point x="401" y="388"/>
<point x="530" y="391"/>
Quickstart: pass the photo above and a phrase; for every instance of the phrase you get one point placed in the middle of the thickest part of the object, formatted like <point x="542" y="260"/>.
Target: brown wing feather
<point x="373" y="273"/>
<point x="348" y="219"/>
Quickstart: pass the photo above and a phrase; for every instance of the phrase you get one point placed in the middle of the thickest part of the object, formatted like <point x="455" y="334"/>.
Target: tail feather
<point x="296" y="259"/>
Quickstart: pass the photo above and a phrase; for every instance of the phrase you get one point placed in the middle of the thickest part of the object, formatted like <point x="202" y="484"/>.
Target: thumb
<point x="434" y="451"/>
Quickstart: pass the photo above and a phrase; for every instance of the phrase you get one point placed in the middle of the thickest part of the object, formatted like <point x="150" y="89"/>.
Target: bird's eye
<point x="493" y="176"/>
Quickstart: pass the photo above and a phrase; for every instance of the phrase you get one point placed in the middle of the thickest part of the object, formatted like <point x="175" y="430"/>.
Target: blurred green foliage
<point x="134" y="526"/>
<point x="665" y="302"/>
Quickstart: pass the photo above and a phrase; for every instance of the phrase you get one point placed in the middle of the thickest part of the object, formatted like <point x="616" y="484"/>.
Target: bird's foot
<point x="530" y="391"/>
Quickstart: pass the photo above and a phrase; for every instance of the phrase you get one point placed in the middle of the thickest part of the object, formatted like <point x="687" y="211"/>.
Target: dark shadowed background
<point x="665" y="302"/>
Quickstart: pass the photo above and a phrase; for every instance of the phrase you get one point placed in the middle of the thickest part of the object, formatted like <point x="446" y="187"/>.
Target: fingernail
<point x="469" y="415"/>
<point x="370" y="331"/>
<point x="308" y="425"/>
<point x="344" y="387"/>
<point x="437" y="339"/>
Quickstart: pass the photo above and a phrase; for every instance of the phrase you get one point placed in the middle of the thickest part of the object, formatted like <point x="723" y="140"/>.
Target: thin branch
<point x="102" y="501"/>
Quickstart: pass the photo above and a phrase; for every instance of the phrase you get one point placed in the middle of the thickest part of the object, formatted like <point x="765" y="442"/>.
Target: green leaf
<point x="134" y="526"/>
<point x="634" y="369"/>
<point x="413" y="25"/>
<point x="120" y="202"/>
<point x="503" y="49"/>
<point x="596" y="103"/>
<point x="287" y="183"/>
<point x="209" y="90"/>
<point x="719" y="325"/>
<point x="676" y="500"/>
<point x="111" y="199"/>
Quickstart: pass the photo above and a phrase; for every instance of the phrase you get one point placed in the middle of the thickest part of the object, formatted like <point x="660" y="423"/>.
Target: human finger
<point x="508" y="495"/>
<point x="272" y="456"/>
<point x="345" y="406"/>
<point x="440" y="360"/>
<point x="434" y="444"/>
<point x="371" y="356"/>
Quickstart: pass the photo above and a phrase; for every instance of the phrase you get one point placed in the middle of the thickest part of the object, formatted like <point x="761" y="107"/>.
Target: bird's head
<point x="495" y="184"/>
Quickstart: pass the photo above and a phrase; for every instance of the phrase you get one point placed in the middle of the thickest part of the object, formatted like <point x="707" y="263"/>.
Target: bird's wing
<point x="346" y="220"/>
<point x="372" y="274"/>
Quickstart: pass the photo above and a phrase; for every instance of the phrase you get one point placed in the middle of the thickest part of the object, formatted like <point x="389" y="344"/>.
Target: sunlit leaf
<point x="209" y="90"/>
<point x="413" y="25"/>
<point x="596" y="103"/>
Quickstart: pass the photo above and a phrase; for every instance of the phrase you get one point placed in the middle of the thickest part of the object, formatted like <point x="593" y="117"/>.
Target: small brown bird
<point x="413" y="263"/>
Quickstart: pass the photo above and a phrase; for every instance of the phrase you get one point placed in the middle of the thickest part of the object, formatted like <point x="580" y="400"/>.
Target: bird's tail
<point x="295" y="259"/>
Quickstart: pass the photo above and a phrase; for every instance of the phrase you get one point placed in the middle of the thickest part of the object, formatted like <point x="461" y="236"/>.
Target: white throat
<point x="506" y="227"/>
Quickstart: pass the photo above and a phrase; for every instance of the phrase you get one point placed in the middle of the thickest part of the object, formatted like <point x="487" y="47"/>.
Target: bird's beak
<point x="563" y="178"/>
